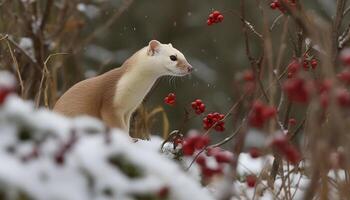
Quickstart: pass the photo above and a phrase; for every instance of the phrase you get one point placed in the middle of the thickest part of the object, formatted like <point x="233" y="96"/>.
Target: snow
<point x="87" y="171"/>
<point x="27" y="45"/>
<point x="89" y="10"/>
<point x="7" y="80"/>
<point x="47" y="156"/>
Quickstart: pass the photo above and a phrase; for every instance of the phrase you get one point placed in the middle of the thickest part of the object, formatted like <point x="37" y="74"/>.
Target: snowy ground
<point x="46" y="156"/>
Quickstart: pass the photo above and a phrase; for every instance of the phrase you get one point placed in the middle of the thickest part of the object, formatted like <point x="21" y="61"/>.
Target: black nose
<point x="190" y="68"/>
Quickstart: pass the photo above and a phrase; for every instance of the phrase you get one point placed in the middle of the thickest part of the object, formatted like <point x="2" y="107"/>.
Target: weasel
<point x="115" y="95"/>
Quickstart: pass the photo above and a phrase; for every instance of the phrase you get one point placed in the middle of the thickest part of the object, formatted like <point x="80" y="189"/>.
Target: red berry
<point x="279" y="141"/>
<point x="163" y="192"/>
<point x="220" y="18"/>
<point x="216" y="13"/>
<point x="215" y="17"/>
<point x="194" y="105"/>
<point x="251" y="180"/>
<point x="178" y="141"/>
<point x="254" y="152"/>
<point x="211" y="17"/>
<point x="201" y="142"/>
<point x="213" y="151"/>
<point x="292" y="122"/>
<point x="343" y="98"/>
<point x="282" y="145"/>
<point x="260" y="113"/>
<point x="214" y="119"/>
<point x="170" y="99"/>
<point x="171" y="95"/>
<point x="249" y="75"/>
<point x="198" y="106"/>
<point x="293" y="67"/>
<point x="273" y="5"/>
<point x="297" y="90"/>
<point x="201" y="160"/>
<point x="4" y="92"/>
<point x="345" y="56"/>
<point x="344" y="76"/>
<point x="209" y="22"/>
<point x="313" y="63"/>
<point x="188" y="149"/>
<point x="292" y="154"/>
<point x="223" y="157"/>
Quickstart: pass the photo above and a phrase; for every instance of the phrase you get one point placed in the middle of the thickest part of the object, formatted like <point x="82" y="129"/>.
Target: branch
<point x="45" y="73"/>
<point x="31" y="59"/>
<point x="46" y="15"/>
<point x="346" y="11"/>
<point x="274" y="23"/>
<point x="335" y="29"/>
<point x="17" y="67"/>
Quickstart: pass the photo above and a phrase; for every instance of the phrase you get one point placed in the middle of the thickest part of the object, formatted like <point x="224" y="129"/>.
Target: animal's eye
<point x="173" y="58"/>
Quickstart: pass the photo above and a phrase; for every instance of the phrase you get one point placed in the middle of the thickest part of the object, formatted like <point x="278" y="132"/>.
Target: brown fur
<point x="94" y="97"/>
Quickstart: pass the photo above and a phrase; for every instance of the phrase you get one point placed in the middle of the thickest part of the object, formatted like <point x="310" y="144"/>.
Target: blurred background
<point x="99" y="35"/>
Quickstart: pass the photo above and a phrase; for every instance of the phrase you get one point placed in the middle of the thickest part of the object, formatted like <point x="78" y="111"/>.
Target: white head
<point x="166" y="60"/>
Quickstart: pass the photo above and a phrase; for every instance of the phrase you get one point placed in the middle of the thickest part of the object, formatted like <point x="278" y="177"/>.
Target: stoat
<point x="114" y="95"/>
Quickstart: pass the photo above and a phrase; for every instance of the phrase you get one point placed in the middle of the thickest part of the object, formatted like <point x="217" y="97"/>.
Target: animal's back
<point x="81" y="99"/>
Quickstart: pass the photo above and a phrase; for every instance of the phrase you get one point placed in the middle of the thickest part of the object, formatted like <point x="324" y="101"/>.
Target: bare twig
<point x="344" y="38"/>
<point x="31" y="59"/>
<point x="45" y="73"/>
<point x="17" y="67"/>
<point x="346" y="11"/>
<point x="336" y="27"/>
<point x="275" y="21"/>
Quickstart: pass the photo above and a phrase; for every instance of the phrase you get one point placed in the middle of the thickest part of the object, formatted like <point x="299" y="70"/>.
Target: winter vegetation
<point x="265" y="114"/>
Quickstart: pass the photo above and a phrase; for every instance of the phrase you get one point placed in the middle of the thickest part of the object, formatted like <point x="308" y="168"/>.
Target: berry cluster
<point x="170" y="99"/>
<point x="276" y="4"/>
<point x="215" y="17"/>
<point x="194" y="142"/>
<point x="221" y="157"/>
<point x="309" y="61"/>
<point x="198" y="106"/>
<point x="342" y="95"/>
<point x="297" y="90"/>
<point x="287" y="150"/>
<point x="260" y="114"/>
<point x="214" y="119"/>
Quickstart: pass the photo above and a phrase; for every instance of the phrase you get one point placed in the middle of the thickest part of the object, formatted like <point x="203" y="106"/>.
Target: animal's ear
<point x="170" y="45"/>
<point x="153" y="47"/>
